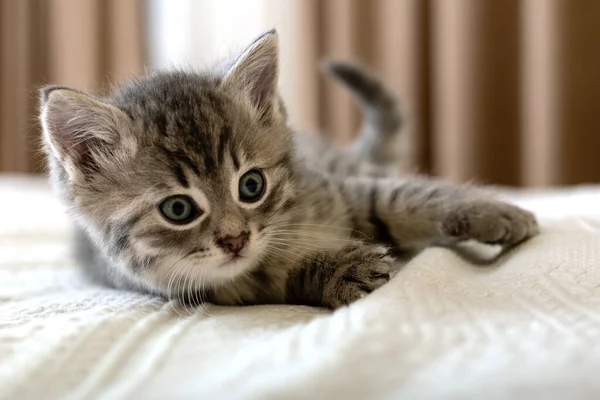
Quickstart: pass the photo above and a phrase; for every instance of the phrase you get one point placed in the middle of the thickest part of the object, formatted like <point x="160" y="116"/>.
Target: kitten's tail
<point x="382" y="119"/>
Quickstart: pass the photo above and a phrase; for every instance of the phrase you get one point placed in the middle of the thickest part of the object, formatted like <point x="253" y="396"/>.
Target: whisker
<point x="274" y="251"/>
<point x="182" y="283"/>
<point x="301" y="245"/>
<point x="300" y="232"/>
<point x="202" y="300"/>
<point x="200" y="292"/>
<point x="311" y="235"/>
<point x="319" y="226"/>
<point x="307" y="249"/>
<point x="177" y="284"/>
<point x="307" y="229"/>
<point x="181" y="290"/>
<point x="288" y="250"/>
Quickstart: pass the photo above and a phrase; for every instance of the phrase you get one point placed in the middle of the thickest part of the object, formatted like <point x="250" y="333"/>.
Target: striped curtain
<point x="79" y="43"/>
<point x="504" y="92"/>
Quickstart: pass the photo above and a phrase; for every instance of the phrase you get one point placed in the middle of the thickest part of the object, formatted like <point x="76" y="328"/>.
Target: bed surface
<point x="527" y="326"/>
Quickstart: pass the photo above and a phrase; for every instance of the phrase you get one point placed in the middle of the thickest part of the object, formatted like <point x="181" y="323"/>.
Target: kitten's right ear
<point x="78" y="129"/>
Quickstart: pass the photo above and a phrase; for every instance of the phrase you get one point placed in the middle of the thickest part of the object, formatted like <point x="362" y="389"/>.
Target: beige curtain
<point x="79" y="43"/>
<point x="504" y="92"/>
<point x="501" y="91"/>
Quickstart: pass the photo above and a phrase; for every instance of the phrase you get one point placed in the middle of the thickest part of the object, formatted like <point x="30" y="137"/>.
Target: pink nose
<point x="234" y="244"/>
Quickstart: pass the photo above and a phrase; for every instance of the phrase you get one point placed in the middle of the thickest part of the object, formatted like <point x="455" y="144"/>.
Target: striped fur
<point x="321" y="231"/>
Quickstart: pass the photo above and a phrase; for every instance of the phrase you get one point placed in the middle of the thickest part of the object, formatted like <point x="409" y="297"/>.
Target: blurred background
<point x="498" y="91"/>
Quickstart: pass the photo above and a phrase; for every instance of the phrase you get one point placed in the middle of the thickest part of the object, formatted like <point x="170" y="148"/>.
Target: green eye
<point x="251" y="186"/>
<point x="179" y="209"/>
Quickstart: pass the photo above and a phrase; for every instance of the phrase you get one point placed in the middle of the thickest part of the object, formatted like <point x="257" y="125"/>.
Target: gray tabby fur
<point x="319" y="235"/>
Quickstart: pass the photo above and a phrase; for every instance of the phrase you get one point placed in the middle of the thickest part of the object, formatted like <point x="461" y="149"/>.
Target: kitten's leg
<point x="333" y="280"/>
<point x="412" y="213"/>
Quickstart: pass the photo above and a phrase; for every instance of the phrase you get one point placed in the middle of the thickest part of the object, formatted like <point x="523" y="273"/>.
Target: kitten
<point x="192" y="186"/>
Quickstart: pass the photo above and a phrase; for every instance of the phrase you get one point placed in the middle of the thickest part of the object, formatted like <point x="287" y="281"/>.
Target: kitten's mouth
<point x="234" y="259"/>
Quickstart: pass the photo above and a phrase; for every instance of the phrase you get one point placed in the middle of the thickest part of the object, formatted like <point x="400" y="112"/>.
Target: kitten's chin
<point x="193" y="275"/>
<point x="228" y="268"/>
<point x="231" y="268"/>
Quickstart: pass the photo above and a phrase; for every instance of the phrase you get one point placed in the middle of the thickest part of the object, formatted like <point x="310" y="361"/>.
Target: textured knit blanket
<point x="526" y="326"/>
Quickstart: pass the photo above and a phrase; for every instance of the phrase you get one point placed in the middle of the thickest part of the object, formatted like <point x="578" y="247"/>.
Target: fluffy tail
<point x="382" y="120"/>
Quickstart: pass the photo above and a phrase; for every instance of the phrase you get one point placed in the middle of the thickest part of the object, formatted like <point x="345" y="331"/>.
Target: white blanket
<point x="527" y="326"/>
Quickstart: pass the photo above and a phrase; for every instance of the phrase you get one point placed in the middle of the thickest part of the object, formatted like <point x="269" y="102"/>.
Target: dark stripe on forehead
<point x="222" y="142"/>
<point x="235" y="159"/>
<point x="188" y="161"/>
<point x="180" y="175"/>
<point x="178" y="157"/>
<point x="203" y="145"/>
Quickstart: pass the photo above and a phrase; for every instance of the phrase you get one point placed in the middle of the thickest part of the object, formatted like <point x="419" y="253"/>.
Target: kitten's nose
<point x="234" y="244"/>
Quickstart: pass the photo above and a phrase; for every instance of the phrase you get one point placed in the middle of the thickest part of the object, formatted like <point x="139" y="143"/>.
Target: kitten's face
<point x="178" y="175"/>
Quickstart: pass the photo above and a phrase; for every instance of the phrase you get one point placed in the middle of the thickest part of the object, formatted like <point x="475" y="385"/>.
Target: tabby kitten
<point x="192" y="186"/>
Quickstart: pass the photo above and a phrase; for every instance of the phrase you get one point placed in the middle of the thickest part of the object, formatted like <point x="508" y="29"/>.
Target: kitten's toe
<point x="363" y="273"/>
<point x="491" y="222"/>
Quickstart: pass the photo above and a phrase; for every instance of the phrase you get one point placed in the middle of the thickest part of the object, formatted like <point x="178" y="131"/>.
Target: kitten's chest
<point x="263" y="285"/>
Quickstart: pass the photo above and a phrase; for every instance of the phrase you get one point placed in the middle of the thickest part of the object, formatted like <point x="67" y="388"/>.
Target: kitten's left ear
<point x="255" y="72"/>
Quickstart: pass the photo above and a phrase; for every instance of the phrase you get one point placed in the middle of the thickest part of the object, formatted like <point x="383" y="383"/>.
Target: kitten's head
<point x="177" y="173"/>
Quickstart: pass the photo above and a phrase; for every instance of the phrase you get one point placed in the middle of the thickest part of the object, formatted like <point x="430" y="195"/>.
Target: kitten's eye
<point x="179" y="209"/>
<point x="252" y="185"/>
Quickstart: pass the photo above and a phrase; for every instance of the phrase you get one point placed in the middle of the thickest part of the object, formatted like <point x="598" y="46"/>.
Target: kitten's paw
<point x="491" y="222"/>
<point x="361" y="270"/>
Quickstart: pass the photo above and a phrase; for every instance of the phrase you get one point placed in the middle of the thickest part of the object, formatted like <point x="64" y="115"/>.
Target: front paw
<point x="491" y="222"/>
<point x="360" y="270"/>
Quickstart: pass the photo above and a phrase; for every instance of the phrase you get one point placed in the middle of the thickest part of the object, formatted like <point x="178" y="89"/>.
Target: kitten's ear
<point x="255" y="72"/>
<point x="79" y="130"/>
